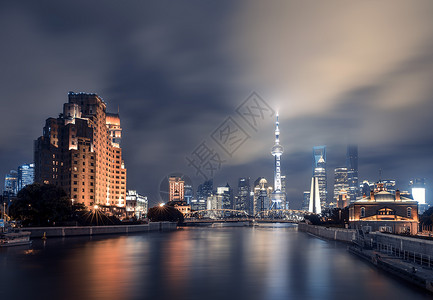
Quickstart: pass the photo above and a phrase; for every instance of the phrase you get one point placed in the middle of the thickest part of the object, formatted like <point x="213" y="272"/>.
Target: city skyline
<point x="174" y="83"/>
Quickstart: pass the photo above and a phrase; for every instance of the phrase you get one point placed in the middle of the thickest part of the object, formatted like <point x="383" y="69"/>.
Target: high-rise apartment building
<point x="352" y="172"/>
<point x="26" y="175"/>
<point x="80" y="151"/>
<point x="319" y="171"/>
<point x="340" y="182"/>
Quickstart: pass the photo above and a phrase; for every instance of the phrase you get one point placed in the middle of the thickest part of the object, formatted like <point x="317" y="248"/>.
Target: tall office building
<point x="319" y="171"/>
<point x="262" y="195"/>
<point x="243" y="201"/>
<point x="80" y="151"/>
<point x="225" y="193"/>
<point x="204" y="191"/>
<point x="176" y="191"/>
<point x="11" y="183"/>
<point x="366" y="187"/>
<point x="352" y="172"/>
<point x="340" y="181"/>
<point x="26" y="175"/>
<point x="277" y="151"/>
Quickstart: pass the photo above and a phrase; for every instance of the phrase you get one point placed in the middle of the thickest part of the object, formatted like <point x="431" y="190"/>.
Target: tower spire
<point x="277" y="151"/>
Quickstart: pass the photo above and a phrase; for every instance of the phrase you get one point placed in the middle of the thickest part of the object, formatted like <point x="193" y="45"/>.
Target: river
<point x="195" y="263"/>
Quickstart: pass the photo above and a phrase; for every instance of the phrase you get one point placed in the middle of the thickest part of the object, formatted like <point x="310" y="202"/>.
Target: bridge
<point x="232" y="215"/>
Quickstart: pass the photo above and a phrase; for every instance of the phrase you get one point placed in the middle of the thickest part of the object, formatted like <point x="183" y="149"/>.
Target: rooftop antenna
<point x="380" y="175"/>
<point x="118" y="108"/>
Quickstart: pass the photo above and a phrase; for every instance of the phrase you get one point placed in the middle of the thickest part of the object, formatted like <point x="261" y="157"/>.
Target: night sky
<point x="338" y="72"/>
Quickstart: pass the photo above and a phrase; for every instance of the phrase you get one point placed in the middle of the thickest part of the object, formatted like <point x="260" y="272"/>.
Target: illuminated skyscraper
<point x="176" y="190"/>
<point x="277" y="151"/>
<point x="319" y="171"/>
<point x="262" y="195"/>
<point x="26" y="175"/>
<point x="226" y="196"/>
<point x="340" y="182"/>
<point x="243" y="199"/>
<point x="352" y="172"/>
<point x="417" y="186"/>
<point x="11" y="183"/>
<point x="80" y="152"/>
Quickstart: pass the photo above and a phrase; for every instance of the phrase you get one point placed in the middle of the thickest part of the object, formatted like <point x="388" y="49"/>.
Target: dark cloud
<point x="337" y="73"/>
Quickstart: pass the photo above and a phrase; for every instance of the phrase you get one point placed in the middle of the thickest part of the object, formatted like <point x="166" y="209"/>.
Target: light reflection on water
<point x="195" y="263"/>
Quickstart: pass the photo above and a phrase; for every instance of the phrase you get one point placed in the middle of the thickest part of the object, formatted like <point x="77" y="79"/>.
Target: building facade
<point x="80" y="151"/>
<point x="243" y="199"/>
<point x="384" y="211"/>
<point x="136" y="205"/>
<point x="262" y="195"/>
<point x="176" y="191"/>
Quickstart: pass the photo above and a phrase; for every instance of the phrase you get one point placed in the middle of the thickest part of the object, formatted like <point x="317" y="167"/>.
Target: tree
<point x="165" y="213"/>
<point x="426" y="218"/>
<point x="42" y="205"/>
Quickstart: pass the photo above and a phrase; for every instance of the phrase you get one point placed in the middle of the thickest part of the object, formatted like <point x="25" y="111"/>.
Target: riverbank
<point x="331" y="233"/>
<point x="38" y="232"/>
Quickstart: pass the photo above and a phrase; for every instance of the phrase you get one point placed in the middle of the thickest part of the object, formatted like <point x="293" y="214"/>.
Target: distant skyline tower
<point x="315" y="203"/>
<point x="243" y="201"/>
<point x="352" y="172"/>
<point x="319" y="171"/>
<point x="11" y="182"/>
<point x="340" y="181"/>
<point x="277" y="151"/>
<point x="26" y="175"/>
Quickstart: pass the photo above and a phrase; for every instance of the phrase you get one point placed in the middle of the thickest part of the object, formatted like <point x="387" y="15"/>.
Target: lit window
<point x="409" y="212"/>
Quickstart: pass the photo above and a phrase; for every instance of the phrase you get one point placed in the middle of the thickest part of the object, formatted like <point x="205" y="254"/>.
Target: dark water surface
<point x="195" y="263"/>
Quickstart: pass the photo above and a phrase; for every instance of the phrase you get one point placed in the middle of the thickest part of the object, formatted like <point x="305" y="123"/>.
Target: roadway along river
<point x="195" y="263"/>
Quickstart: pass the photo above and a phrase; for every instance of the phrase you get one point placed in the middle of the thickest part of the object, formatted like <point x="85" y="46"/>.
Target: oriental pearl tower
<point x="277" y="150"/>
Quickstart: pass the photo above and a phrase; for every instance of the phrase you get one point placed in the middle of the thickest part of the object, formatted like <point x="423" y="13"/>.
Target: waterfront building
<point x="340" y="182"/>
<point x="26" y="175"/>
<point x="277" y="151"/>
<point x="176" y="191"/>
<point x="306" y="201"/>
<point x="319" y="171"/>
<point x="384" y="211"/>
<point x="262" y="195"/>
<point x="352" y="172"/>
<point x="80" y="151"/>
<point x="11" y="183"/>
<point x="243" y="199"/>
<point x="315" y="201"/>
<point x="136" y="205"/>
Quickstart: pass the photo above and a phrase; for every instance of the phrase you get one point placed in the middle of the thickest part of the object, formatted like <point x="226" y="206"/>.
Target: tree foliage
<point x="427" y="217"/>
<point x="165" y="213"/>
<point x="43" y="205"/>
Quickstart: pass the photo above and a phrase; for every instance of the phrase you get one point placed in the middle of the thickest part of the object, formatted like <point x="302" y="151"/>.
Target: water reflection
<point x="194" y="263"/>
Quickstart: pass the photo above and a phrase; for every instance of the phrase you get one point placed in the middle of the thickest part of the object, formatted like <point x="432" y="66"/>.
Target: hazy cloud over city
<point x="338" y="72"/>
